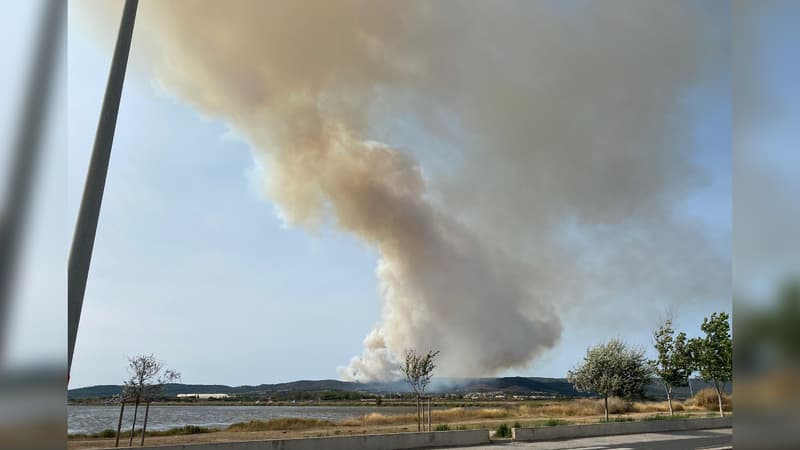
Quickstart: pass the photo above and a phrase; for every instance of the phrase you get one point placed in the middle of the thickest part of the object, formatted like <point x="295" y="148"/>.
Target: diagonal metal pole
<point x="80" y="255"/>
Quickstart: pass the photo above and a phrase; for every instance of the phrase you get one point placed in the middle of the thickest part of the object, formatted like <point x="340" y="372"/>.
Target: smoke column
<point x="567" y="144"/>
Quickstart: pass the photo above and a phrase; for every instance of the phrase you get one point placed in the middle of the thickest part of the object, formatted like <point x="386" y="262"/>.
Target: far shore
<point x="439" y="403"/>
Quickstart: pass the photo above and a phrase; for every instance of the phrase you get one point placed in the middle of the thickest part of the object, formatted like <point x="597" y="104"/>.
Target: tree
<point x="612" y="369"/>
<point x="147" y="377"/>
<point x="713" y="354"/>
<point x="674" y="363"/>
<point x="417" y="372"/>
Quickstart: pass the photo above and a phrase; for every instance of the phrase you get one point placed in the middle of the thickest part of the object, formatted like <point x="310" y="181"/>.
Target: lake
<point x="92" y="419"/>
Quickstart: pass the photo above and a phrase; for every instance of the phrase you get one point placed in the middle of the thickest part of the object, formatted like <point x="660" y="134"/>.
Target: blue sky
<point x="182" y="210"/>
<point x="193" y="264"/>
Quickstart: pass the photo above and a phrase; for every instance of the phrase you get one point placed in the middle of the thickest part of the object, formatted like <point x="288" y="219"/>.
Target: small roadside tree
<point x="417" y="372"/>
<point x="146" y="379"/>
<point x="612" y="369"/>
<point x="674" y="363"/>
<point x="713" y="354"/>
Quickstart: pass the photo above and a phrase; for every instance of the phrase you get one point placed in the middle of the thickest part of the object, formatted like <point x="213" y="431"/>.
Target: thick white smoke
<point x="560" y="142"/>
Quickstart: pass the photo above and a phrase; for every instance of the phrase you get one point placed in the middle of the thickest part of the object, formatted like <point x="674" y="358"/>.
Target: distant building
<point x="205" y="396"/>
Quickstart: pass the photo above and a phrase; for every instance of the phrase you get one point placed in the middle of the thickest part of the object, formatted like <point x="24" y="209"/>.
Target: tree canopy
<point x="612" y="369"/>
<point x="674" y="364"/>
<point x="147" y="377"/>
<point x="713" y="354"/>
<point x="418" y="369"/>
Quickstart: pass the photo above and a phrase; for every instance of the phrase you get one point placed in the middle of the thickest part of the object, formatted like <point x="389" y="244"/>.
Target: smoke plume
<point x="553" y="143"/>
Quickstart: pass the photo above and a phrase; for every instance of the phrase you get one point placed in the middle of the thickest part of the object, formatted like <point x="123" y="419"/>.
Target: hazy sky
<point x="193" y="264"/>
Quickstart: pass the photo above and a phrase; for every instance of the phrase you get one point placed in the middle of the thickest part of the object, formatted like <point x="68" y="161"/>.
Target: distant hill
<point x="559" y="387"/>
<point x="517" y="385"/>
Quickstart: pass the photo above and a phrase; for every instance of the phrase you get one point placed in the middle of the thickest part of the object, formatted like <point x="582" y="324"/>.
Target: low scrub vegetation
<point x="617" y="419"/>
<point x="667" y="417"/>
<point x="554" y="422"/>
<point x="289" y="423"/>
<point x="443" y="415"/>
<point x="109" y="433"/>
<point x="707" y="399"/>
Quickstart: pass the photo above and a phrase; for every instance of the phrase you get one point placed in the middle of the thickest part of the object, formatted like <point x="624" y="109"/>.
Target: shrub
<point x="517" y="425"/>
<point x="194" y="429"/>
<point x="555" y="422"/>
<point x="107" y="433"/>
<point x="503" y="431"/>
<point x="186" y="429"/>
<point x="442" y="427"/>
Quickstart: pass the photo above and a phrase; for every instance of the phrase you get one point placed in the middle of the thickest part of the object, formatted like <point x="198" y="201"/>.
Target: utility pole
<point x="80" y="255"/>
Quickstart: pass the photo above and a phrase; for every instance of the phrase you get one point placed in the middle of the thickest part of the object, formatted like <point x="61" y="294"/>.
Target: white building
<point x="205" y="396"/>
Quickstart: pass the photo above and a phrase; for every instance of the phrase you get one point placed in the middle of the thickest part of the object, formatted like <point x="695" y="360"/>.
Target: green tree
<point x="713" y="354"/>
<point x="612" y="369"/>
<point x="674" y="363"/>
<point x="417" y="372"/>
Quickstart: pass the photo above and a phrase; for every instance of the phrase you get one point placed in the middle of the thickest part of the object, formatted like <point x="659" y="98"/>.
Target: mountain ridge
<point x="555" y="387"/>
<point x="438" y="385"/>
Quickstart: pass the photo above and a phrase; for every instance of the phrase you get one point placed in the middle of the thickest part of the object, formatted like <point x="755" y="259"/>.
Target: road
<point x="677" y="440"/>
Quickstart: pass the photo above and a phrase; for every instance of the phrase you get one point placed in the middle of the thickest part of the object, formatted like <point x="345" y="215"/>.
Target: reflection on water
<point x="91" y="419"/>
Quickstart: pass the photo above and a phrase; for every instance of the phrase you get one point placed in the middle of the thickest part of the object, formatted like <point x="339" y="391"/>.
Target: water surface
<point x="95" y="418"/>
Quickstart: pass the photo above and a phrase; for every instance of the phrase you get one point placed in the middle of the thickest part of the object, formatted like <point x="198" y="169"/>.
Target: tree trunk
<point x="144" y="426"/>
<point x="419" y="421"/>
<point x="422" y="408"/>
<point x="422" y="412"/>
<point x="669" y="400"/>
<point x="133" y="427"/>
<point x="429" y="414"/>
<point x="719" y="398"/>
<point x="691" y="391"/>
<point x="605" y="407"/>
<point x="119" y="424"/>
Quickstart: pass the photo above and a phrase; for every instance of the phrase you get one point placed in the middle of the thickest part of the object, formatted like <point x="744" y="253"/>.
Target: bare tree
<point x="417" y="372"/>
<point x="147" y="377"/>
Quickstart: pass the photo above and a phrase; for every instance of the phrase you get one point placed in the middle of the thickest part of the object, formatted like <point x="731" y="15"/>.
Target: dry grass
<point x="643" y="407"/>
<point x="707" y="400"/>
<point x="438" y="415"/>
<point x="567" y="408"/>
<point x="374" y="419"/>
<point x="289" y="423"/>
<point x="590" y="407"/>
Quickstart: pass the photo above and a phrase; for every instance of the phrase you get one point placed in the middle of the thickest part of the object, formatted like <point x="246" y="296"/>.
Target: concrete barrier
<point x="395" y="441"/>
<point x="607" y="429"/>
